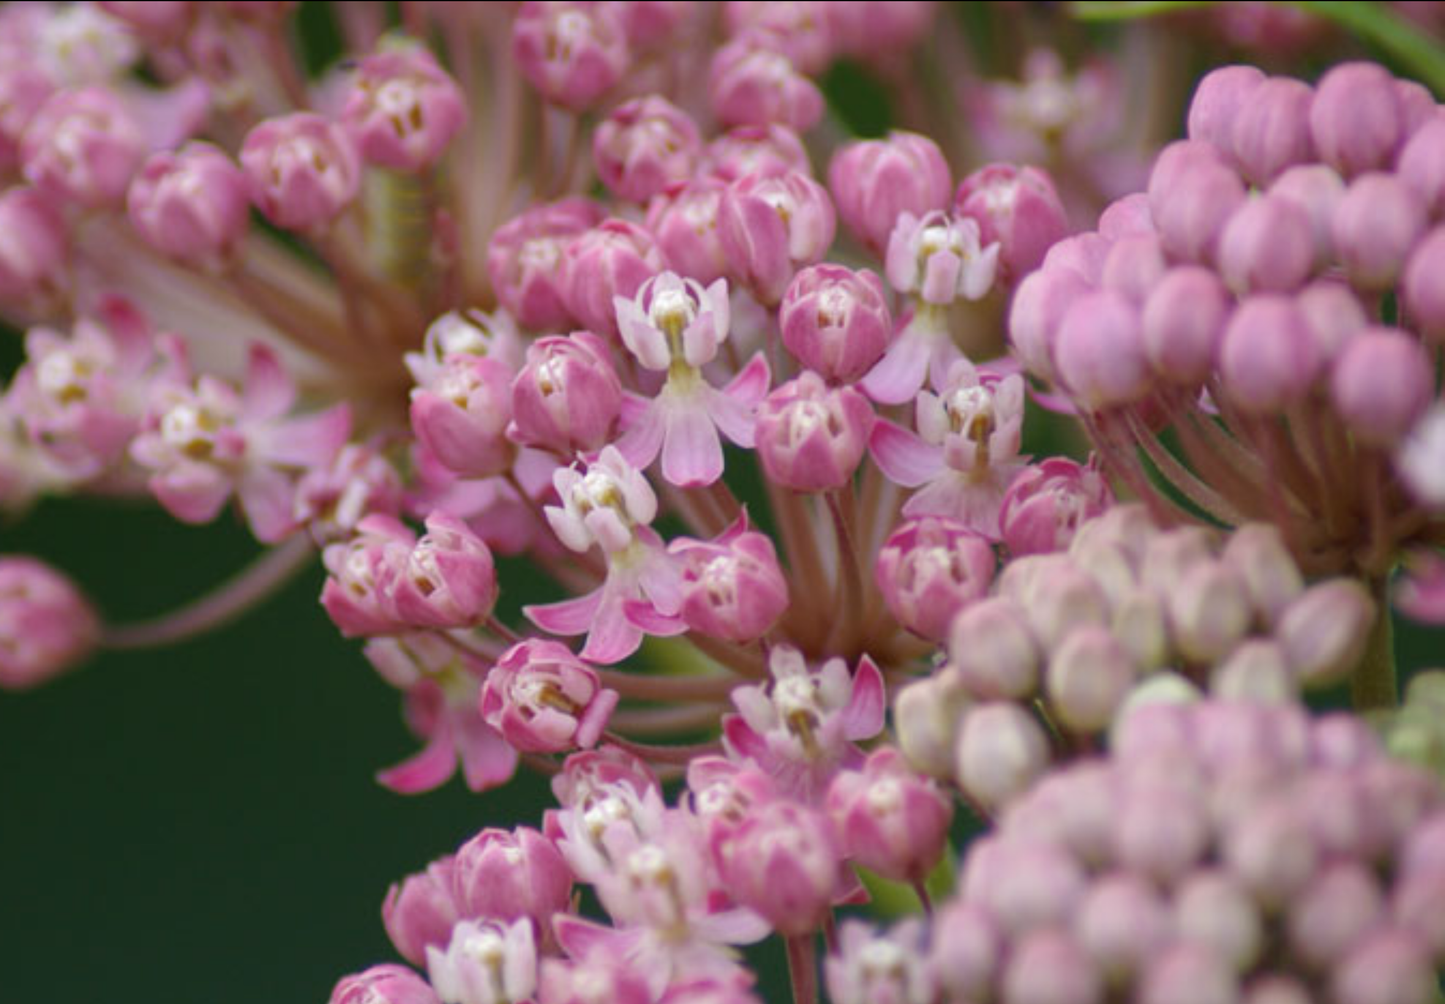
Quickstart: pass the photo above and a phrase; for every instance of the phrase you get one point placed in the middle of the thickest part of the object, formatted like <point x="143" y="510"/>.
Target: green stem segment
<point x="1374" y="684"/>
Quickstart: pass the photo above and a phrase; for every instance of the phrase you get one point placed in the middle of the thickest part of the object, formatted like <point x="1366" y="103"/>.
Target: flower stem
<point x="1374" y="684"/>
<point x="802" y="968"/>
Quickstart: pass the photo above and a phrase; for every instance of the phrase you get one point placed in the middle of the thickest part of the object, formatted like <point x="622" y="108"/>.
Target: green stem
<point x="1374" y="684"/>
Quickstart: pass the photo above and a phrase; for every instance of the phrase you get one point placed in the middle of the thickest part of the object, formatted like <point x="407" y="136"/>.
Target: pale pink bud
<point x="1047" y="503"/>
<point x="1268" y="358"/>
<point x="1134" y="264"/>
<point x="644" y="146"/>
<point x="1218" y="98"/>
<point x="772" y="224"/>
<point x="811" y="437"/>
<point x="567" y="396"/>
<point x="1356" y="119"/>
<point x="1422" y="165"/>
<point x="1121" y="923"/>
<point x="835" y="321"/>
<point x="1209" y="612"/>
<point x="509" y="874"/>
<point x="1183" y="322"/>
<point x="461" y="415"/>
<point x="543" y="699"/>
<point x="1387" y="966"/>
<point x="573" y="53"/>
<point x="870" y="968"/>
<point x="732" y="588"/>
<point x="783" y="863"/>
<point x="155" y="20"/>
<point x="966" y="950"/>
<point x="1049" y="967"/>
<point x="1268" y="244"/>
<point x="1088" y="677"/>
<point x="610" y="260"/>
<point x="46" y="626"/>
<point x="23" y="89"/>
<point x="874" y="182"/>
<point x="191" y="204"/>
<point x="1257" y="554"/>
<point x="1084" y="253"/>
<point x="303" y="170"/>
<point x="929" y="569"/>
<point x="1001" y="751"/>
<point x="524" y="259"/>
<point x="1271" y="852"/>
<point x="1019" y="208"/>
<point x="803" y="30"/>
<point x="684" y="222"/>
<point x="1188" y="974"/>
<point x="1421" y="288"/>
<point x="1063" y="598"/>
<point x="402" y="109"/>
<point x="420" y="911"/>
<point x="993" y="651"/>
<point x="1040" y="304"/>
<point x="448" y="580"/>
<point x="1374" y="228"/>
<point x="1333" y="314"/>
<point x="753" y="82"/>
<point x="888" y="819"/>
<point x="1381" y="384"/>
<point x="33" y="245"/>
<point x="926" y="716"/>
<point x="1273" y="989"/>
<point x="1025" y="884"/>
<point x="1272" y="128"/>
<point x="747" y="150"/>
<point x="1191" y="193"/>
<point x="388" y="984"/>
<point x="1324" y="630"/>
<point x="1317" y="190"/>
<point x="1333" y="911"/>
<point x="1099" y="351"/>
<point x="1125" y="216"/>
<point x="1212" y="909"/>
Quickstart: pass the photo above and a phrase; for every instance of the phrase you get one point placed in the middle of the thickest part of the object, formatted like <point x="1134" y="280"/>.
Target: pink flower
<point x="772" y="223"/>
<point x="387" y="984"/>
<point x="929" y="569"/>
<point x="46" y="626"/>
<point x="511" y="874"/>
<point x="524" y="259"/>
<point x="835" y="321"/>
<point x="888" y="818"/>
<point x="403" y="109"/>
<point x="303" y="170"/>
<point x="874" y="182"/>
<point x="753" y="82"/>
<point x="732" y="587"/>
<point x="644" y="146"/>
<point x="1047" y="503"/>
<point x="485" y="962"/>
<point x="83" y="146"/>
<point x="1016" y="207"/>
<point x="543" y="699"/>
<point x="567" y="397"/>
<point x="420" y="910"/>
<point x="811" y="437"/>
<point x="191" y="205"/>
<point x="571" y="52"/>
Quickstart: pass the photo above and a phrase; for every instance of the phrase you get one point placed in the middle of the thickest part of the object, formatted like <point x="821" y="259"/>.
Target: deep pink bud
<point x="573" y="53"/>
<point x="1268" y="358"/>
<point x="1381" y="384"/>
<point x="567" y="396"/>
<point x="753" y="82"/>
<point x="755" y="149"/>
<point x="684" y="221"/>
<point x="1125" y="216"/>
<point x="33" y="252"/>
<point x="1218" y="98"/>
<point x="732" y="588"/>
<point x="507" y="874"/>
<point x="46" y="626"/>
<point x="357" y="595"/>
<point x="1099" y="352"/>
<point x="461" y="414"/>
<point x="772" y="224"/>
<point x="610" y="260"/>
<point x="1267" y="245"/>
<point x="1333" y="313"/>
<point x="1272" y="128"/>
<point x="1422" y="165"/>
<point x="1422" y="290"/>
<point x="889" y="819"/>
<point x="835" y="321"/>
<point x="1019" y="208"/>
<point x="403" y="109"/>
<point x="1195" y="207"/>
<point x="303" y="170"/>
<point x="1045" y="505"/>
<point x="191" y="205"/>
<point x="83" y="146"/>
<point x="811" y="437"/>
<point x="1356" y="119"/>
<point x="783" y="863"/>
<point x="524" y="259"/>
<point x="929" y="569"/>
<point x="389" y="984"/>
<point x="1183" y="322"/>
<point x="420" y="911"/>
<point x="543" y="699"/>
<point x="448" y="580"/>
<point x="876" y="181"/>
<point x="1374" y="228"/>
<point x="644" y="146"/>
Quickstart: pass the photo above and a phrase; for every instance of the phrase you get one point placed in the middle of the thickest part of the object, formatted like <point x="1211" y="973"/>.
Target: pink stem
<point x="803" y="968"/>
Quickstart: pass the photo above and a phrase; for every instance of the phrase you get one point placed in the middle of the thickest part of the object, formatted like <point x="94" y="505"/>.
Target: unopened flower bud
<point x="993" y="651"/>
<point x="610" y="260"/>
<point x="1268" y="358"/>
<point x="191" y="204"/>
<point x="811" y="437"/>
<point x="753" y="82"/>
<point x="33" y="254"/>
<point x="1255" y="672"/>
<point x="448" y="580"/>
<point x="1040" y="304"/>
<point x="1188" y="974"/>
<point x="510" y="874"/>
<point x="567" y="396"/>
<point x="524" y="259"/>
<point x="1324" y="631"/>
<point x="1355" y="118"/>
<point x="461" y="416"/>
<point x="1001" y="751"/>
<point x="888" y="819"/>
<point x="1183" y="322"/>
<point x="874" y="182"/>
<point x="1121" y="923"/>
<point x="420" y="910"/>
<point x="303" y="170"/>
<point x="1017" y="207"/>
<point x="573" y="53"/>
<point x="929" y="569"/>
<point x="685" y="222"/>
<point x="1268" y="244"/>
<point x="835" y="321"/>
<point x="1272" y="853"/>
<point x="1386" y="966"/>
<point x="644" y="146"/>
<point x="1049" y="967"/>
<point x="1062" y="601"/>
<point x="926" y="717"/>
<point x="83" y="146"/>
<point x="1088" y="677"/>
<point x="1317" y="190"/>
<point x="1217" y="100"/>
<point x="783" y="863"/>
<point x="755" y="150"/>
<point x="1374" y="228"/>
<point x="46" y="626"/>
<point x="402" y="109"/>
<point x="1257" y="553"/>
<point x="1423" y="293"/>
<point x="1134" y="265"/>
<point x="1381" y="384"/>
<point x="966" y="950"/>
<point x="1160" y="830"/>
<point x="1209" y="612"/>
<point x="1422" y="165"/>
<point x="732" y="589"/>
<point x="1272" y="129"/>
<point x="1099" y="352"/>
<point x="1330" y="914"/>
<point x="388" y="984"/>
<point x="771" y="224"/>
<point x="543" y="699"/>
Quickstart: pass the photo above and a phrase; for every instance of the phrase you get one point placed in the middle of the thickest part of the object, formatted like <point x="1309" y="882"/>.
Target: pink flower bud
<point x="357" y="595"/>
<point x="1268" y="244"/>
<point x="1099" y="351"/>
<point x="1045" y="505"/>
<point x="154" y="20"/>
<point x="803" y="31"/>
<point x="1134" y="265"/>
<point x="1017" y="207"/>
<point x="644" y="146"/>
<point x="1121" y="923"/>
<point x="191" y="204"/>
<point x="543" y="699"/>
<point x="610" y="260"/>
<point x="1334" y="315"/>
<point x="420" y="911"/>
<point x="1318" y="190"/>
<point x="874" y="182"/>
<point x="752" y="82"/>
<point x="929" y="569"/>
<point x="966" y="951"/>
<point x="1271" y="852"/>
<point x="573" y="53"/>
<point x="23" y="89"/>
<point x="1088" y="677"/>
<point x="1213" y="910"/>
<point x="684" y="221"/>
<point x="1039" y="306"/>
<point x="1257" y="554"/>
<point x="1325" y="629"/>
<point x="46" y="626"/>
<point x="1001" y="751"/>
<point x="1191" y="194"/>
<point x="1356" y="119"/>
<point x="524" y="259"/>
<point x="567" y="396"/>
<point x="509" y="874"/>
<point x="992" y="650"/>
<point x="1386" y="966"/>
<point x="1340" y="905"/>
<point x="1188" y="974"/>
<point x="1422" y="165"/>
<point x="448" y="579"/>
<point x="1218" y="98"/>
<point x="1272" y="129"/>
<point x="303" y="170"/>
<point x="811" y="437"/>
<point x="1374" y="228"/>
<point x="33" y="254"/>
<point x="869" y="968"/>
<point x="1183" y="321"/>
<point x="771" y="225"/>
<point x="83" y="146"/>
<point x="1381" y="384"/>
<point x="747" y="150"/>
<point x="1423" y="293"/>
<point x="402" y="109"/>
<point x="888" y="819"/>
<point x="461" y="415"/>
<point x="732" y="588"/>
<point x="926" y="715"/>
<point x="1048" y="967"/>
<point x="783" y="863"/>
<point x="1209" y="611"/>
<point x="1268" y="358"/>
<point x="835" y="321"/>
<point x="389" y="984"/>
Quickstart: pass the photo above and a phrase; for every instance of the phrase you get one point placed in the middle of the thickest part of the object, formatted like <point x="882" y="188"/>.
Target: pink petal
<point x="569" y="617"/>
<point x="613" y="637"/>
<point x="862" y="718"/>
<point x="267" y="498"/>
<point x="579" y="938"/>
<point x="192" y="493"/>
<point x="741" y="742"/>
<point x="1420" y="595"/>
<point x="898" y="376"/>
<point x="645" y="616"/>
<point x="309" y="441"/>
<point x="269" y="392"/>
<point x="428" y="769"/>
<point x="738" y="926"/>
<point x="487" y="759"/>
<point x="691" y="450"/>
<point x="752" y="381"/>
<point x="905" y="458"/>
<point x="641" y="442"/>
